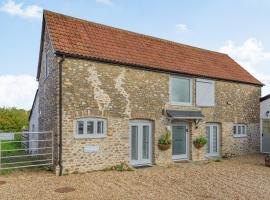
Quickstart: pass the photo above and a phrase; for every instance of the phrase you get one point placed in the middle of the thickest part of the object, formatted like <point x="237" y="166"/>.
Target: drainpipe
<point x="60" y="116"/>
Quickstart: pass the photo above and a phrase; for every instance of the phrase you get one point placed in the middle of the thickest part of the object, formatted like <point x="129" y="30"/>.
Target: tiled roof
<point x="76" y="37"/>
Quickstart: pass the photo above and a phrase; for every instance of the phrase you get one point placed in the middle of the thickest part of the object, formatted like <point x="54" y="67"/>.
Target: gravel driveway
<point x="239" y="178"/>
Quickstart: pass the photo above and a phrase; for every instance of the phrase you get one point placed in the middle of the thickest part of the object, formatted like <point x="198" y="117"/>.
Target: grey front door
<point x="266" y="136"/>
<point x="179" y="141"/>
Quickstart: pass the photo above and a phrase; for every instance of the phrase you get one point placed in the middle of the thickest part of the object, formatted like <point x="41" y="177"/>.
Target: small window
<point x="90" y="128"/>
<point x="239" y="130"/>
<point x="180" y="91"/>
<point x="205" y="92"/>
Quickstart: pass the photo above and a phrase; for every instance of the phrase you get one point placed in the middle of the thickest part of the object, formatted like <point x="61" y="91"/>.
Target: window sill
<point x="240" y="136"/>
<point x="180" y="104"/>
<point x="90" y="137"/>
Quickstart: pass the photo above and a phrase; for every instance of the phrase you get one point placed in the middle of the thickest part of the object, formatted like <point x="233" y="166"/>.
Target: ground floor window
<point x="239" y="130"/>
<point x="90" y="128"/>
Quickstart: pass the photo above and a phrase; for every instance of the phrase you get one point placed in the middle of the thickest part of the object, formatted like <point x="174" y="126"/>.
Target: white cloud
<point x="17" y="9"/>
<point x="17" y="91"/>
<point x="252" y="56"/>
<point x="106" y="2"/>
<point x="181" y="28"/>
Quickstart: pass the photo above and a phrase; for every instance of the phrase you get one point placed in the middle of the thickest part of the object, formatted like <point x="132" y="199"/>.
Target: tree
<point x="13" y="120"/>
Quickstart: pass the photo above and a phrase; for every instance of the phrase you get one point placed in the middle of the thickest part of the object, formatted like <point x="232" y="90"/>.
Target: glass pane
<point x="208" y="139"/>
<point x="180" y="90"/>
<point x="179" y="140"/>
<point x="239" y="129"/>
<point x="145" y="142"/>
<point x="80" y="127"/>
<point x="90" y="127"/>
<point x="100" y="127"/>
<point x="215" y="139"/>
<point x="134" y="142"/>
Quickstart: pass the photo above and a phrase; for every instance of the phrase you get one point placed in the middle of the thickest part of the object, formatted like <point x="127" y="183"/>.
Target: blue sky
<point x="239" y="28"/>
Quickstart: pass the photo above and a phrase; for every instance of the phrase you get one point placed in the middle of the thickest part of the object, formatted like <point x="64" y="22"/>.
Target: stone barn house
<point x="109" y="94"/>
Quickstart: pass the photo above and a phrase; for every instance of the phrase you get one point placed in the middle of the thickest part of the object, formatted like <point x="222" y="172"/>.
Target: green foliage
<point x="121" y="167"/>
<point x="200" y="140"/>
<point x="165" y="139"/>
<point x="13" y="120"/>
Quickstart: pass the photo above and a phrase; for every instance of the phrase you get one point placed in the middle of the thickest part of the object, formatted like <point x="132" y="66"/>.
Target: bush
<point x="121" y="167"/>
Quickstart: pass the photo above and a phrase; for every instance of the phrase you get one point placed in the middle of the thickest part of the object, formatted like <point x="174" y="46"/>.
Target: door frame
<point x="139" y="123"/>
<point x="261" y="132"/>
<point x="187" y="155"/>
<point x="218" y="140"/>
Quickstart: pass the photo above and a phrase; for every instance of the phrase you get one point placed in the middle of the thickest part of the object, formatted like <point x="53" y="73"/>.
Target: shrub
<point x="165" y="139"/>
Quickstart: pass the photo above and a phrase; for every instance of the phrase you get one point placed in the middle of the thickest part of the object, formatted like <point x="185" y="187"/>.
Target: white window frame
<point x="214" y="87"/>
<point x="236" y="133"/>
<point x="190" y="91"/>
<point x="87" y="135"/>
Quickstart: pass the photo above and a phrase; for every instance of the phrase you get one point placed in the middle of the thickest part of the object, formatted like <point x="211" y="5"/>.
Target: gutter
<point x="60" y="116"/>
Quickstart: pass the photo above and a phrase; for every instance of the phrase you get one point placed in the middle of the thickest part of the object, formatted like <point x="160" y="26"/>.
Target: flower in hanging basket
<point x="199" y="142"/>
<point x="165" y="141"/>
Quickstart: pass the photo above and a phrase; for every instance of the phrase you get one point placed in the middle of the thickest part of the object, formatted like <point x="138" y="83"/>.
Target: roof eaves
<point x="59" y="53"/>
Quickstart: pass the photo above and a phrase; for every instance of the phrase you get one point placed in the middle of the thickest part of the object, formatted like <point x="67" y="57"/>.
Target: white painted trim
<point x="211" y="154"/>
<point x="95" y="134"/>
<point x="240" y="135"/>
<point x="187" y="155"/>
<point x="140" y="124"/>
<point x="190" y="88"/>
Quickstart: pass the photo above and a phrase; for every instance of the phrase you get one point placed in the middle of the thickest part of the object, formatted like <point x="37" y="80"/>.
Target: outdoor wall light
<point x="267" y="113"/>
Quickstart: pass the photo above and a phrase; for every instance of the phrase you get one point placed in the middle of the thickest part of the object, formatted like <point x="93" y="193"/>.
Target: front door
<point x="266" y="136"/>
<point x="140" y="142"/>
<point x="180" y="141"/>
<point x="212" y="135"/>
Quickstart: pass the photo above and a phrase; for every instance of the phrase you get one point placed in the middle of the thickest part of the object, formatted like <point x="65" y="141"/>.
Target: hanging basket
<point x="198" y="146"/>
<point x="267" y="161"/>
<point x="164" y="147"/>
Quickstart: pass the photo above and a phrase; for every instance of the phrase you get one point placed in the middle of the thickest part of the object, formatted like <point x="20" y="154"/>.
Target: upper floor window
<point x="239" y="130"/>
<point x="91" y="128"/>
<point x="205" y="92"/>
<point x="180" y="91"/>
<point x="47" y="65"/>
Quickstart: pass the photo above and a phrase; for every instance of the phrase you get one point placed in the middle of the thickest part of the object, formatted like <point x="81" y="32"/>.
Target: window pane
<point x="239" y="130"/>
<point x="100" y="125"/>
<point x="180" y="90"/>
<point x="80" y="127"/>
<point x="145" y="142"/>
<point x="215" y="142"/>
<point x="207" y="149"/>
<point x="134" y="143"/>
<point x="90" y="127"/>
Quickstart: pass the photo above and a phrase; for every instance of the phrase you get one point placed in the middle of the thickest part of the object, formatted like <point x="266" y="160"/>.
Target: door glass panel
<point x="208" y="139"/>
<point x="134" y="142"/>
<point x="179" y="140"/>
<point x="215" y="139"/>
<point x="145" y="142"/>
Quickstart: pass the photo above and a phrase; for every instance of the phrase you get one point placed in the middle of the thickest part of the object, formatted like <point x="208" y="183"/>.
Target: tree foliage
<point x="13" y="120"/>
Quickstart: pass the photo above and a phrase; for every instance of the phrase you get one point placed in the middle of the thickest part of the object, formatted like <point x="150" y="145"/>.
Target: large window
<point x="91" y="128"/>
<point x="205" y="92"/>
<point x="180" y="91"/>
<point x="239" y="130"/>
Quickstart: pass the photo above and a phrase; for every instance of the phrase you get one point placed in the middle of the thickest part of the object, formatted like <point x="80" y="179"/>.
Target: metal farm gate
<point x="26" y="149"/>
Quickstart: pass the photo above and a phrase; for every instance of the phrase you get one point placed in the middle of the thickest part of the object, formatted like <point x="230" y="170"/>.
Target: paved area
<point x="239" y="178"/>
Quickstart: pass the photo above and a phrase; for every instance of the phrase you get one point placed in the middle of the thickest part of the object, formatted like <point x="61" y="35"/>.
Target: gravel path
<point x="239" y="178"/>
